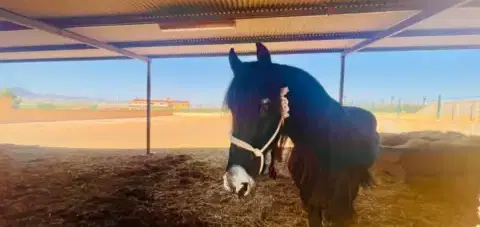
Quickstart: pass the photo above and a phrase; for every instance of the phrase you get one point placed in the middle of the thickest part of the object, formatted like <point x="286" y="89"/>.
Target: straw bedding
<point x="182" y="188"/>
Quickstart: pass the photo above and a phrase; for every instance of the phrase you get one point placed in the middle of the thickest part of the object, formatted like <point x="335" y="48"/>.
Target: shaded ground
<point x="60" y="187"/>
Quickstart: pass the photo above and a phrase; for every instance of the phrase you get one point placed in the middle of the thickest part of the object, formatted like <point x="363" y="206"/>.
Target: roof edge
<point x="288" y="52"/>
<point x="248" y="39"/>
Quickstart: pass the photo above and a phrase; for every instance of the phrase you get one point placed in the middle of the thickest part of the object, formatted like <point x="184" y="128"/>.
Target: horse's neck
<point x="314" y="125"/>
<point x="315" y="117"/>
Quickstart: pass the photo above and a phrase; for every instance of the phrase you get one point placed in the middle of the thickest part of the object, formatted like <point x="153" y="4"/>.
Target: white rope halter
<point x="259" y="152"/>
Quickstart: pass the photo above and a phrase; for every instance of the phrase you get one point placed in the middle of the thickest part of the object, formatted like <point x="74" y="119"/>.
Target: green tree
<point x="9" y="93"/>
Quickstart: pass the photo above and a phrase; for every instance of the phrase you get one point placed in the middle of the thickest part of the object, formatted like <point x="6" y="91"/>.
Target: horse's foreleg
<point x="314" y="216"/>
<point x="269" y="165"/>
<point x="272" y="172"/>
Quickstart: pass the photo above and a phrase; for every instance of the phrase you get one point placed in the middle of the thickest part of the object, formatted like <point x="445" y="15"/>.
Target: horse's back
<point x="362" y="119"/>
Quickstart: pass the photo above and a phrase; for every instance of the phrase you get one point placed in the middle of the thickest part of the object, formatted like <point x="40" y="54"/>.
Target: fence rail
<point x="450" y="108"/>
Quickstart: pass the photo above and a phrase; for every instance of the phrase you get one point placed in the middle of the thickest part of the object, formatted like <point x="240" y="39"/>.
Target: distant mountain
<point x="20" y="92"/>
<point x="28" y="96"/>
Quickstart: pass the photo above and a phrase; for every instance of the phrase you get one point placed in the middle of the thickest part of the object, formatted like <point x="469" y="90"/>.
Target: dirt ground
<point x="35" y="115"/>
<point x="167" y="132"/>
<point x="391" y="123"/>
<point x="94" y="173"/>
<point x="172" y="131"/>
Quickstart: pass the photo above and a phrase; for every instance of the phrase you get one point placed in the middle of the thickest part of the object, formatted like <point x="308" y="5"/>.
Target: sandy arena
<point x="95" y="173"/>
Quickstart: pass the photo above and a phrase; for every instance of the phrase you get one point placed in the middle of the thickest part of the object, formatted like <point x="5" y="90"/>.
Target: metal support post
<point x="399" y="108"/>
<point x="342" y="78"/>
<point x="439" y="107"/>
<point x="149" y="66"/>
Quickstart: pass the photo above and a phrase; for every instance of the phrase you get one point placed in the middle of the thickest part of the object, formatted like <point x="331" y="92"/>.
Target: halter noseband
<point x="259" y="152"/>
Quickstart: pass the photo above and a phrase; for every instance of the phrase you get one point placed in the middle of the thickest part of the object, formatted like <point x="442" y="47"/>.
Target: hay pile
<point x="416" y="139"/>
<point x="179" y="189"/>
<point x="171" y="190"/>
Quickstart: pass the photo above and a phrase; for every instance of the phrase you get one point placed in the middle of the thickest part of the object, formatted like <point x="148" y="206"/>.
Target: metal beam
<point x="252" y="39"/>
<point x="435" y="8"/>
<point x="284" y="52"/>
<point x="35" y="24"/>
<point x="342" y="79"/>
<point x="149" y="99"/>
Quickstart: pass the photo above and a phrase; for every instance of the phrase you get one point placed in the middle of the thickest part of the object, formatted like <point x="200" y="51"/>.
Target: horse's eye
<point x="264" y="106"/>
<point x="265" y="101"/>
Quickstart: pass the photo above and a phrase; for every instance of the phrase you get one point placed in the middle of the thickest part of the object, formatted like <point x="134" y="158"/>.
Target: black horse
<point x="334" y="146"/>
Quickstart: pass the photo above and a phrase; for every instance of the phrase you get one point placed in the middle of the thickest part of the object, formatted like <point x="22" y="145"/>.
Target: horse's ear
<point x="263" y="54"/>
<point x="235" y="62"/>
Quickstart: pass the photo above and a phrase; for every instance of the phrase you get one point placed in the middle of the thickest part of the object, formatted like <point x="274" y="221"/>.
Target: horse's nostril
<point x="243" y="190"/>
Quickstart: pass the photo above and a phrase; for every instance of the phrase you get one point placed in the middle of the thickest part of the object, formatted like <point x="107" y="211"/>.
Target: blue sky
<point x="369" y="76"/>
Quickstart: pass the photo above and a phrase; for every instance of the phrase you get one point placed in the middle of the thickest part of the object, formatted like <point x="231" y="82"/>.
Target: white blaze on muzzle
<point x="236" y="178"/>
<point x="259" y="152"/>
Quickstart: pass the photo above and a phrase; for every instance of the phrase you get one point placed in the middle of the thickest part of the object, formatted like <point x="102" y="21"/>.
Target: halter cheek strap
<point x="259" y="152"/>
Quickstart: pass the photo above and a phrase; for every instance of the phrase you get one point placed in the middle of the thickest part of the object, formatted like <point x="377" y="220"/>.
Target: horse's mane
<point x="323" y="135"/>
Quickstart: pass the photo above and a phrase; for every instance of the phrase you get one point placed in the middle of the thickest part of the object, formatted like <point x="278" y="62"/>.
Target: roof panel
<point x="291" y="26"/>
<point x="71" y="8"/>
<point x="62" y="8"/>
<point x="250" y="27"/>
<point x="247" y="47"/>
<point x="184" y="50"/>
<point x="465" y="40"/>
<point x="453" y="18"/>
<point x="56" y="54"/>
<point x="31" y="38"/>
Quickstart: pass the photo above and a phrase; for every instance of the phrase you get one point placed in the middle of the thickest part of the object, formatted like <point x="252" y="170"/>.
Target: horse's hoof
<point x="273" y="175"/>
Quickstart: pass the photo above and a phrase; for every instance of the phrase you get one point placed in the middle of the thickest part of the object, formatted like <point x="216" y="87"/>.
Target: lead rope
<point x="259" y="152"/>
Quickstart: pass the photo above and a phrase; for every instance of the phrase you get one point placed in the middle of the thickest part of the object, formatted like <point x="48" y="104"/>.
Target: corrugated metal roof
<point x="70" y="13"/>
<point x="453" y="18"/>
<point x="244" y="28"/>
<point x="31" y="38"/>
<point x="56" y="54"/>
<point x="73" y="8"/>
<point x="472" y="40"/>
<point x="311" y="32"/>
<point x="183" y="50"/>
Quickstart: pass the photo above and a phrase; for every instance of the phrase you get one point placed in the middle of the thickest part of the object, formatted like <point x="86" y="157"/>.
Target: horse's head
<point x="258" y="107"/>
